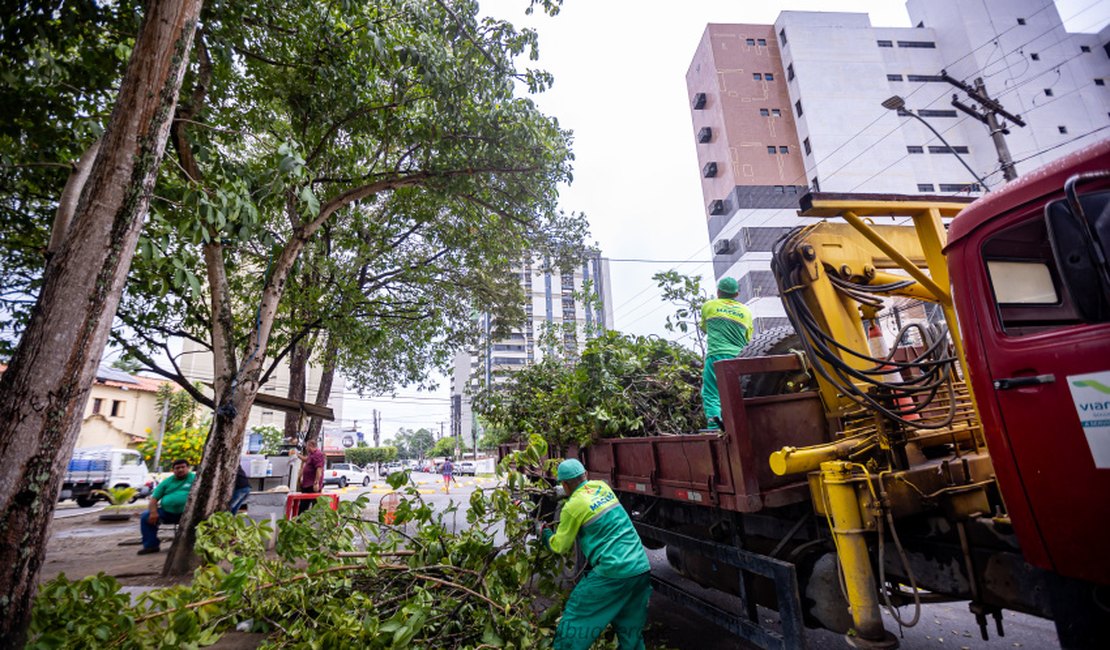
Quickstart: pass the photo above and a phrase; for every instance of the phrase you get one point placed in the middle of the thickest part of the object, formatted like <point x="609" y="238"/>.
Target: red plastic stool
<point x="295" y="498"/>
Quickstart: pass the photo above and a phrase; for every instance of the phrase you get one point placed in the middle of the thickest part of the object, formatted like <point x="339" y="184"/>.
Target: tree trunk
<point x="43" y="392"/>
<point x="216" y="474"/>
<point x="323" y="391"/>
<point x="298" y="375"/>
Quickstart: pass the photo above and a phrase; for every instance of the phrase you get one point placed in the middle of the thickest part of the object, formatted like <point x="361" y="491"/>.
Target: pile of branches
<point x="339" y="579"/>
<point x="621" y="386"/>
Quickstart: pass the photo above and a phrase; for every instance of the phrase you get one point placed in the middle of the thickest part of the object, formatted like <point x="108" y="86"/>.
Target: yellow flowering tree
<point x="180" y="442"/>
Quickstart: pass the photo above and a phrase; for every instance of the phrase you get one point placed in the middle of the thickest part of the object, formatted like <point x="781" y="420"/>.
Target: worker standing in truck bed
<point x="727" y="323"/>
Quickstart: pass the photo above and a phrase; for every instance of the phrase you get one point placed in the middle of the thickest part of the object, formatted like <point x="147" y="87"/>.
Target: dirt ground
<point x="82" y="545"/>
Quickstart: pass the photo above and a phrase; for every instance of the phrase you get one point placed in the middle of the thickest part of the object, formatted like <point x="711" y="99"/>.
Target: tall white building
<point x="559" y="319"/>
<point x="782" y="109"/>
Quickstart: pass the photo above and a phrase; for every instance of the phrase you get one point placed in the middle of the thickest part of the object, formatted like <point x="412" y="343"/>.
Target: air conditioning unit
<point x="710" y="170"/>
<point x="717" y="207"/>
<point x="699" y="101"/>
<point x="705" y="134"/>
<point x="722" y="247"/>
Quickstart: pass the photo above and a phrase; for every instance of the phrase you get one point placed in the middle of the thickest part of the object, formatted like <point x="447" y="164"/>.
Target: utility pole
<point x="987" y="112"/>
<point x="377" y="428"/>
<point x="162" y="434"/>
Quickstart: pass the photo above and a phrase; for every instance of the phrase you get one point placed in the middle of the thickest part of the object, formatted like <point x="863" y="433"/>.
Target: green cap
<point x="570" y="469"/>
<point x="728" y="286"/>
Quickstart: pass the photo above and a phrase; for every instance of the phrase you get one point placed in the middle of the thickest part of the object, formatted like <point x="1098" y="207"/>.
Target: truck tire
<point x="86" y="500"/>
<point x="365" y="481"/>
<point x="777" y="340"/>
<point x="342" y="482"/>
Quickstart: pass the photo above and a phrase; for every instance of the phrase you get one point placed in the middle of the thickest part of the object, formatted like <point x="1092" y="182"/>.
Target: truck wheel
<point x="777" y="340"/>
<point x="86" y="501"/>
<point x="342" y="482"/>
<point x="365" y="481"/>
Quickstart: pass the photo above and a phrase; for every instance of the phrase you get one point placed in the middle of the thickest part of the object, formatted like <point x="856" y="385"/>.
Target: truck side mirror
<point x="1079" y="239"/>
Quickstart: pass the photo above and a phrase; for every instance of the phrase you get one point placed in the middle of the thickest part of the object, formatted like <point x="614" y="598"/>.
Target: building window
<point x="757" y="77"/>
<point x="894" y="77"/>
<point x="1035" y="56"/>
<point x="798" y="107"/>
<point x="784" y="149"/>
<point x="782" y="36"/>
<point x="925" y="187"/>
<point x="776" y="112"/>
<point x="935" y="112"/>
<point x="790" y="72"/>
<point x="915" y="150"/>
<point x="710" y="170"/>
<point x="805" y="145"/>
<point x="1084" y="48"/>
<point x="717" y="206"/>
<point x="767" y="76"/>
<point x="118" y="408"/>
<point x="959" y="187"/>
<point x="924" y="77"/>
<point x="699" y="101"/>
<point x="1021" y="21"/>
<point x="750" y="41"/>
<point x="780" y="189"/>
<point x="885" y="43"/>
<point x="1062" y="129"/>
<point x="771" y="149"/>
<point x="764" y="112"/>
<point x="927" y="45"/>
<point x="97" y="404"/>
<point x="1048" y="92"/>
<point x="940" y="149"/>
<point x="814" y="185"/>
<point x="705" y="134"/>
<point x="1100" y="82"/>
<point x="762" y="41"/>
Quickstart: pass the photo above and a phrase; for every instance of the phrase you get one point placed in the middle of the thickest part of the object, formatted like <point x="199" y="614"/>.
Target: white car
<point x="344" y="474"/>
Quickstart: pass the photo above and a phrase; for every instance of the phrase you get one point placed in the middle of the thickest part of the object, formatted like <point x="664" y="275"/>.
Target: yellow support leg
<point x="850" y="531"/>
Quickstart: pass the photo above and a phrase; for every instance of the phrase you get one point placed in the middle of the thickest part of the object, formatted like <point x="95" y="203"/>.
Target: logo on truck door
<point x="1091" y="395"/>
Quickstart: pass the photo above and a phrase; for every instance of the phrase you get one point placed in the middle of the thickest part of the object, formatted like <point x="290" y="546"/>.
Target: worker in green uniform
<point x="727" y="323"/>
<point x="618" y="586"/>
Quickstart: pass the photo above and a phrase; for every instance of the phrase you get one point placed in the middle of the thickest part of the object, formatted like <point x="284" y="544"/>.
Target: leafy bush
<point x="118" y="496"/>
<point x="339" y="579"/>
<point x="622" y="386"/>
<point x="363" y="456"/>
<point x="182" y="442"/>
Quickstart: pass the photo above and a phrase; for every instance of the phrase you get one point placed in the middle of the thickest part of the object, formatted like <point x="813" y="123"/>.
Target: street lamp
<point x="897" y="104"/>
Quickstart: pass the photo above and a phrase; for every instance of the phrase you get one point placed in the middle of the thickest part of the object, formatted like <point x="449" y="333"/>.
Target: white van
<point x="99" y="468"/>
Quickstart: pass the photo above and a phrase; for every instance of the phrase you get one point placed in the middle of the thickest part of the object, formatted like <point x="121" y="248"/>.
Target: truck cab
<point x="1029" y="278"/>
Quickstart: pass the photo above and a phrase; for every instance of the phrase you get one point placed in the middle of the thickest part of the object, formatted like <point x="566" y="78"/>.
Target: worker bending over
<point x="727" y="324"/>
<point x="618" y="586"/>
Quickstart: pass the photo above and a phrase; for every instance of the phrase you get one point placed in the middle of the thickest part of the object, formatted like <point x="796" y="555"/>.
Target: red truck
<point x="969" y="463"/>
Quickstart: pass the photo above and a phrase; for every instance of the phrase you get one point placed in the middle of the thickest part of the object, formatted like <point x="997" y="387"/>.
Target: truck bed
<point x="726" y="470"/>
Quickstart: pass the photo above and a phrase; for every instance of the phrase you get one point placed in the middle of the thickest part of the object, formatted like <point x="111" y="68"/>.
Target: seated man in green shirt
<point x="618" y="586"/>
<point x="167" y="504"/>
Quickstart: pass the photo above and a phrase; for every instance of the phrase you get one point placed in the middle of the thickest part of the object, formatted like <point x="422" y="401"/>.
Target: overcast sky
<point x="620" y="68"/>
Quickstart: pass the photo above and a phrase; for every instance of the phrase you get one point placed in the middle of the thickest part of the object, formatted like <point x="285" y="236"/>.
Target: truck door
<point x="1049" y="368"/>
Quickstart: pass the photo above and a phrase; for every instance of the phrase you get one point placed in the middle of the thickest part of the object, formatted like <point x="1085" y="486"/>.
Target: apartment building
<point x="779" y="110"/>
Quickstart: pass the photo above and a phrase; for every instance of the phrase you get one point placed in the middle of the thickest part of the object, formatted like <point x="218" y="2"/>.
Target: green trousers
<point x="598" y="601"/>
<point x="710" y="397"/>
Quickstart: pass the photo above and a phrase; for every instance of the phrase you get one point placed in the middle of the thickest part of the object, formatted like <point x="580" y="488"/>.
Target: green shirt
<point x="172" y="493"/>
<point x="605" y="534"/>
<point x="728" y="325"/>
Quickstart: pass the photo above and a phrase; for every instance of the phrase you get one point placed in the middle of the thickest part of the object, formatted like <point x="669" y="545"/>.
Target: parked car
<point x="466" y="468"/>
<point x="100" y="468"/>
<point x="343" y="474"/>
